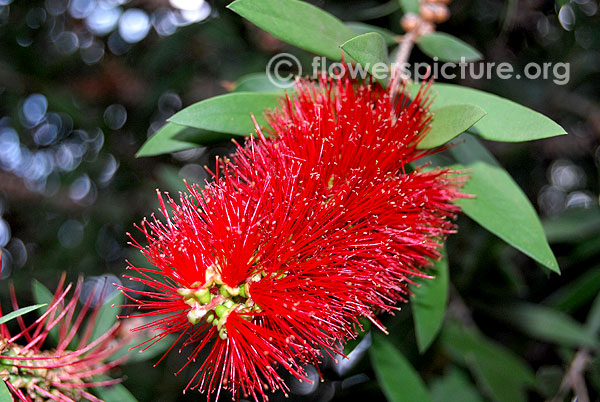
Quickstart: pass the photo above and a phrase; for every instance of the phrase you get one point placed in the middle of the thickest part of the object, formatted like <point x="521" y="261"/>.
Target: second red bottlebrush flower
<point x="301" y="234"/>
<point x="67" y="372"/>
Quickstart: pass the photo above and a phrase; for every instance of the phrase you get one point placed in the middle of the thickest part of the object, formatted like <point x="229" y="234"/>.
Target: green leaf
<point x="361" y="28"/>
<point x="42" y="295"/>
<point x="17" y="313"/>
<point x="449" y="122"/>
<point x="138" y="354"/>
<point x="353" y="343"/>
<point x="447" y="48"/>
<point x="592" y="323"/>
<point x="573" y="225"/>
<point x="506" y="121"/>
<point x="228" y="113"/>
<point x="454" y="386"/>
<point x="548" y="380"/>
<point x="398" y="379"/>
<point x="165" y="141"/>
<point x="5" y="395"/>
<point x="260" y="82"/>
<point x="370" y="51"/>
<point x="577" y="293"/>
<point x="546" y="324"/>
<point x="372" y="12"/>
<point x="297" y="23"/>
<point x="503" y="374"/>
<point x="107" y="315"/>
<point x="501" y="385"/>
<point x="410" y="6"/>
<point x="113" y="393"/>
<point x="499" y="205"/>
<point x="459" y="342"/>
<point x="429" y="304"/>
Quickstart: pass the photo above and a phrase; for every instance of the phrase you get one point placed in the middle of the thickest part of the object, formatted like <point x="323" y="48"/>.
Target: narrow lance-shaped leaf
<point x="113" y="393"/>
<point x="429" y="304"/>
<point x="398" y="379"/>
<point x="230" y="113"/>
<point x="370" y="51"/>
<point x="297" y="23"/>
<point x="506" y="121"/>
<point x="592" y="324"/>
<point x="447" y="48"/>
<point x="449" y="122"/>
<point x="546" y="324"/>
<point x="503" y="374"/>
<point x="454" y="386"/>
<point x="139" y="354"/>
<point x="499" y="205"/>
<point x="17" y="313"/>
<point x="107" y="315"/>
<point x="165" y="141"/>
<point x="174" y="138"/>
<point x="573" y="225"/>
<point x="42" y="295"/>
<point x="577" y="293"/>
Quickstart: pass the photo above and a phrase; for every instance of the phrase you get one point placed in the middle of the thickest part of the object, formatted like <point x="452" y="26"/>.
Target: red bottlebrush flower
<point x="300" y="235"/>
<point x="33" y="374"/>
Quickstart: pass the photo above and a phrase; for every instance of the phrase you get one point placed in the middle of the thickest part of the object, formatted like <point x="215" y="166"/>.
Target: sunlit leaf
<point x="397" y="378"/>
<point x="166" y="140"/>
<point x="449" y="122"/>
<point x="506" y="121"/>
<point x="499" y="205"/>
<point x="230" y="113"/>
<point x="297" y="23"/>
<point x="447" y="48"/>
<point x="370" y="51"/>
<point x="429" y="304"/>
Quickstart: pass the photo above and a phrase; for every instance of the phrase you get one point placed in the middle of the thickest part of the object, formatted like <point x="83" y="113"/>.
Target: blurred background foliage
<point x="83" y="83"/>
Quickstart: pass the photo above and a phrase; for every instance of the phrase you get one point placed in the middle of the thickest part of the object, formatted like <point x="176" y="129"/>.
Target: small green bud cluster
<point x="213" y="301"/>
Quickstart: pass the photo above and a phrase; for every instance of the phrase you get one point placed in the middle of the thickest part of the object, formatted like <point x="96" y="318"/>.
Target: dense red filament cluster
<point x="318" y="224"/>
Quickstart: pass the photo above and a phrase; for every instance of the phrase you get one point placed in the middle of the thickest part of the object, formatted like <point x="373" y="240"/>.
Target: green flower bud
<point x="221" y="310"/>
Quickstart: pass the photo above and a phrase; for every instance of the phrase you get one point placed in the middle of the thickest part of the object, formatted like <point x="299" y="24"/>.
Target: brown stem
<point x="398" y="76"/>
<point x="574" y="378"/>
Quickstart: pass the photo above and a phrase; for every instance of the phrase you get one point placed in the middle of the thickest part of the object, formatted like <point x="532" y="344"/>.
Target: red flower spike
<point x="33" y="374"/>
<point x="300" y="234"/>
